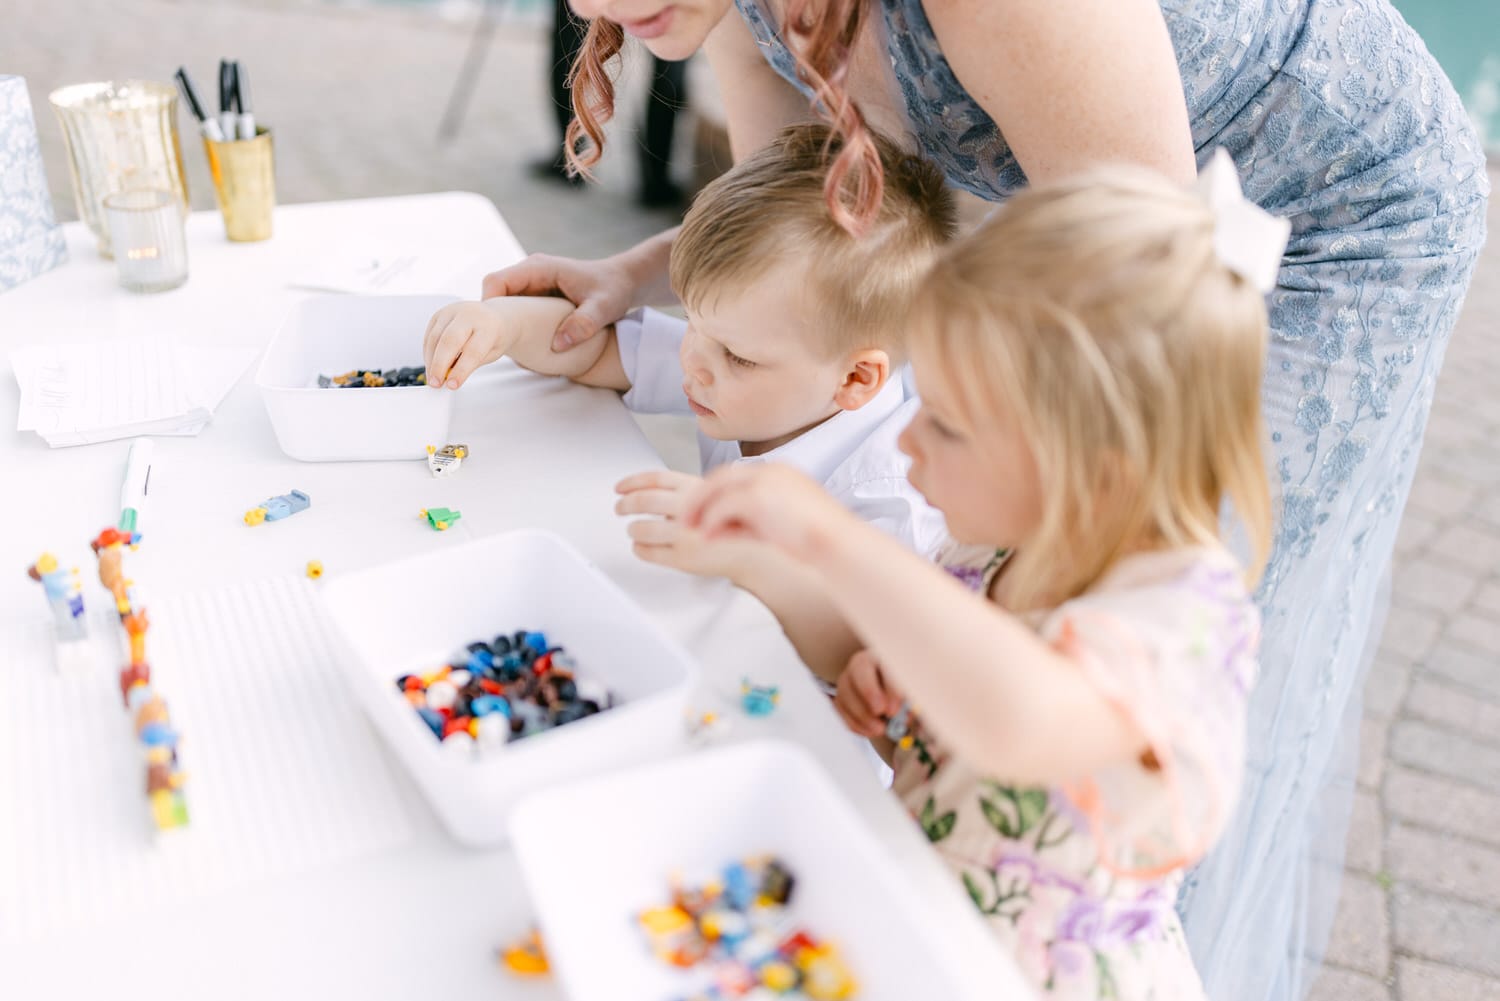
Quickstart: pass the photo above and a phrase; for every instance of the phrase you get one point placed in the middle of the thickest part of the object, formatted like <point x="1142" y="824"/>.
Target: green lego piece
<point x="441" y="517"/>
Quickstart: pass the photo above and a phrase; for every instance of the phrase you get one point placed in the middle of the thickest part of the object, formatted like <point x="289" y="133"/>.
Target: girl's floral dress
<point x="1080" y="880"/>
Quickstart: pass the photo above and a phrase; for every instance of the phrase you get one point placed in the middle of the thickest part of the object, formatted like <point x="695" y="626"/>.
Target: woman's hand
<point x="865" y="699"/>
<point x="601" y="291"/>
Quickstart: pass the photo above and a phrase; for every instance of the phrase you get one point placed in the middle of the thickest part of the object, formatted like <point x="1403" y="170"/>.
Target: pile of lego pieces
<point x="737" y="933"/>
<point x="502" y="690"/>
<point x="371" y="378"/>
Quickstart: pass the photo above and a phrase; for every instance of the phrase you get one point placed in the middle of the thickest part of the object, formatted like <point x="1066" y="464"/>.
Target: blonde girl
<point x="1089" y="363"/>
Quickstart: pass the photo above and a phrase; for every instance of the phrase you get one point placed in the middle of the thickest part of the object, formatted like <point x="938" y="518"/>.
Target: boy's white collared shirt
<point x="853" y="453"/>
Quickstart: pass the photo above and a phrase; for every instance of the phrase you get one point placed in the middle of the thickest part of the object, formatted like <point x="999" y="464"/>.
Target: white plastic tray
<point x="329" y="335"/>
<point x="415" y="614"/>
<point x="596" y="853"/>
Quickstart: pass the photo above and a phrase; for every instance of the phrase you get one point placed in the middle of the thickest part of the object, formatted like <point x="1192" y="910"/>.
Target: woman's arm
<point x="757" y="101"/>
<point x="1072" y="83"/>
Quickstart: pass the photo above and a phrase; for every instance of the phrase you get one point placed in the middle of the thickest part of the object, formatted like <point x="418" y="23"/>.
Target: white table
<point x="422" y="922"/>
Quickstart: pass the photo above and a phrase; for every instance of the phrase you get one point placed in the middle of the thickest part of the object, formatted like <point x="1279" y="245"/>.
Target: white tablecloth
<point x="422" y="921"/>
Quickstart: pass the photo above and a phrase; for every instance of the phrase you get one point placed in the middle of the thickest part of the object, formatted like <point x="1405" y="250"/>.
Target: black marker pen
<point x="209" y="126"/>
<point x="246" y="117"/>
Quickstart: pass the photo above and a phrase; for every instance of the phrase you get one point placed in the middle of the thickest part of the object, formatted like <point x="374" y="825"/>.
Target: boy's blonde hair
<point x="1095" y="316"/>
<point x="770" y="208"/>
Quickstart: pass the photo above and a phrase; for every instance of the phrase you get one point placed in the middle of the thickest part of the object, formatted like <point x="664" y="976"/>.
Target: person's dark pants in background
<point x="668" y="93"/>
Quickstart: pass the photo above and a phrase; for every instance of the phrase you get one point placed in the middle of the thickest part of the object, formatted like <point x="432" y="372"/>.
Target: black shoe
<point x="554" y="169"/>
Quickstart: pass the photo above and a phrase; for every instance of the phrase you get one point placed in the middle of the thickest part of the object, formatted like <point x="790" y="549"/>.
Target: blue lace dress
<point x="1340" y="120"/>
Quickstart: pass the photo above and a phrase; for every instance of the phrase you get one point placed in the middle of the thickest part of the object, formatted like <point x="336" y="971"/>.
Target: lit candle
<point x="146" y="232"/>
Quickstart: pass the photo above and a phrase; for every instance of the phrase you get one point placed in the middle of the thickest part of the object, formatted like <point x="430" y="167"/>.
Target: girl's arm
<point x="1072" y="83"/>
<point x="794" y="593"/>
<point x="1000" y="697"/>
<point x="797" y="595"/>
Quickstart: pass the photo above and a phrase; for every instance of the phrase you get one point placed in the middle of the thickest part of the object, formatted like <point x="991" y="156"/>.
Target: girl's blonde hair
<point x="1095" y="315"/>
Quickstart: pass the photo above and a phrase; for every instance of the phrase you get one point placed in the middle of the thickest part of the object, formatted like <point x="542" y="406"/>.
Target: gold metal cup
<point x="245" y="184"/>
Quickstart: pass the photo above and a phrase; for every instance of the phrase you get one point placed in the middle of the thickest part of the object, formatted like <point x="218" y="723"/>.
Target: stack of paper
<point x="80" y="393"/>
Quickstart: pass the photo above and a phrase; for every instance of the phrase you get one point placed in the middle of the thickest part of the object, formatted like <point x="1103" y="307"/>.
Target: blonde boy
<point x="792" y="350"/>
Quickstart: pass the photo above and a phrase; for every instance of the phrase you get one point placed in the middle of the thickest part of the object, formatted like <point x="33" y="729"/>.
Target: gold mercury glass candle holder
<point x="244" y="173"/>
<point x="146" y="232"/>
<point x="120" y="136"/>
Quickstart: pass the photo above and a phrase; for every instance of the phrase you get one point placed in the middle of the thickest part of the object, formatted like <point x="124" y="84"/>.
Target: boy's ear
<point x="864" y="378"/>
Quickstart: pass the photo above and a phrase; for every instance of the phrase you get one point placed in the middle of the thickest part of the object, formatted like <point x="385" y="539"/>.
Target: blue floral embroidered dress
<point x="1340" y="120"/>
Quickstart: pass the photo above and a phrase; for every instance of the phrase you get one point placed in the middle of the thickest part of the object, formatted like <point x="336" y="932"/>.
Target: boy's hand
<point x="664" y="539"/>
<point x="461" y="337"/>
<point x="465" y="335"/>
<point x="864" y="698"/>
<point x="764" y="502"/>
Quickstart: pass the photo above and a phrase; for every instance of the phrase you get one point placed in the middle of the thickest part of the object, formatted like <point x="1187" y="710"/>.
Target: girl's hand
<point x="664" y="539"/>
<point x="461" y="337"/>
<point x="864" y="698"/>
<point x="603" y="291"/>
<point x="764" y="502"/>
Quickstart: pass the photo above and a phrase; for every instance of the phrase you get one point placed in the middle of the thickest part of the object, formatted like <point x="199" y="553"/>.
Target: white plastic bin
<point x="329" y="335"/>
<point x="414" y="615"/>
<point x="596" y="853"/>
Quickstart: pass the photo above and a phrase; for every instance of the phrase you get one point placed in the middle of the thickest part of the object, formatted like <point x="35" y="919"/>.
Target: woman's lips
<point x="652" y="27"/>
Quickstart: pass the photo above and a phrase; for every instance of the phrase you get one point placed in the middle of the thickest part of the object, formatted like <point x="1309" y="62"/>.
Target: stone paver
<point x="355" y="95"/>
<point x="1464" y="667"/>
<point x="1336" y="984"/>
<point x="1427" y="583"/>
<point x="1441" y="804"/>
<point x="1386" y="688"/>
<point x="1418" y="980"/>
<point x="1454" y="708"/>
<point x="1410" y="632"/>
<point x="1361" y="932"/>
<point x="1366" y="849"/>
<point x="1443" y="863"/>
<point x="1374" y="742"/>
<point x="1453" y="932"/>
<point x="1438" y="749"/>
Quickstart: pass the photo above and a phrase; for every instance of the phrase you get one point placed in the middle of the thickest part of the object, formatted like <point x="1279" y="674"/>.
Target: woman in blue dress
<point x="1338" y="119"/>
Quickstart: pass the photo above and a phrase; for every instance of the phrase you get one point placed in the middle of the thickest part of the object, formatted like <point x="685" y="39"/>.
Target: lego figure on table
<point x="64" y="595"/>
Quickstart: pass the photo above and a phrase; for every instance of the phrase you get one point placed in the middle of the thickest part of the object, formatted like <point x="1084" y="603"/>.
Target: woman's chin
<point x="672" y="48"/>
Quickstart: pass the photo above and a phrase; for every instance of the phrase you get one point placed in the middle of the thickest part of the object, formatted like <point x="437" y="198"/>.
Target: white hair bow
<point x="1248" y="239"/>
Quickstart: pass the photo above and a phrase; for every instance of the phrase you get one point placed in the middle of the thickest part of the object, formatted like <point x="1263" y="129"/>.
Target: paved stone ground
<point x="355" y="95"/>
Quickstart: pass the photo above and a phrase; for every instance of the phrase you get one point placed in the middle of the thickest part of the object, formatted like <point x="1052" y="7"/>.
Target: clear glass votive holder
<point x="121" y="135"/>
<point x="147" y="235"/>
